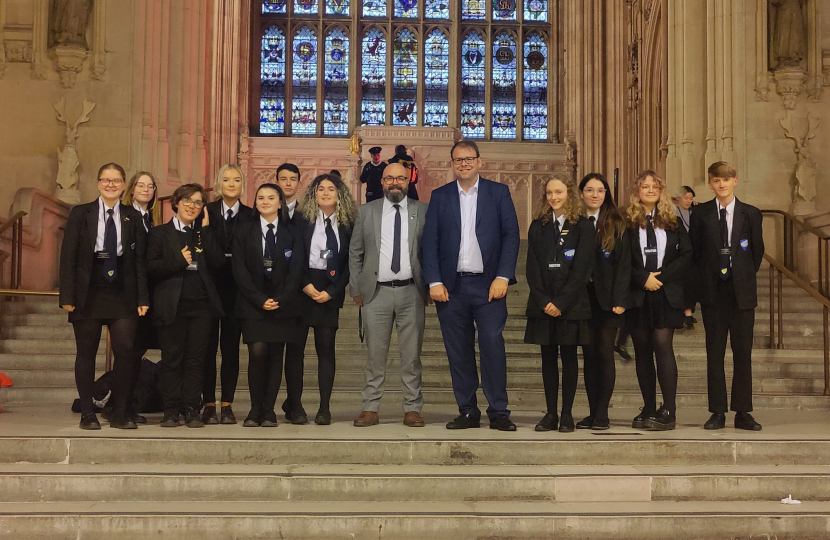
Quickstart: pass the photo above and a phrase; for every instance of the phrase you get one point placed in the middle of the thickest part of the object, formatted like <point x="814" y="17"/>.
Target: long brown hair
<point x="127" y="197"/>
<point x="665" y="217"/>
<point x="573" y="206"/>
<point x="610" y="223"/>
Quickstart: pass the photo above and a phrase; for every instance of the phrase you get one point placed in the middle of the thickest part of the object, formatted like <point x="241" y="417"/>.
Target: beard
<point x="394" y="194"/>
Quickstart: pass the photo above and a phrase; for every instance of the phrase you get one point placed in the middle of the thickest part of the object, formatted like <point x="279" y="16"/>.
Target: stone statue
<point x="68" y="161"/>
<point x="68" y="22"/>
<point x="804" y="190"/>
<point x="789" y="43"/>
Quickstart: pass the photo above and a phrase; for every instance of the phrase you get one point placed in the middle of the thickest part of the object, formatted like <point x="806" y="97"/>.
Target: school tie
<point x="331" y="247"/>
<point x="396" y="248"/>
<point x="651" y="245"/>
<point x="593" y="221"/>
<point x="229" y="215"/>
<point x="111" y="247"/>
<point x="556" y="232"/>
<point x="270" y="246"/>
<point x="725" y="262"/>
<point x="148" y="221"/>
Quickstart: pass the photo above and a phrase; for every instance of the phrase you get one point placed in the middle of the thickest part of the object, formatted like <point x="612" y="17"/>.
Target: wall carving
<point x="68" y="162"/>
<point x="804" y="176"/>
<point x="18" y="51"/>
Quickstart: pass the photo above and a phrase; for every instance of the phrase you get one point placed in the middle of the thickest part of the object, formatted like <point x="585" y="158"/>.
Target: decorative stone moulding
<point x="790" y="84"/>
<point x="69" y="61"/>
<point x="18" y="51"/>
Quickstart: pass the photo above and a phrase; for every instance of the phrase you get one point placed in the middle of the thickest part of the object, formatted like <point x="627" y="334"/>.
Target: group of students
<point x="212" y="274"/>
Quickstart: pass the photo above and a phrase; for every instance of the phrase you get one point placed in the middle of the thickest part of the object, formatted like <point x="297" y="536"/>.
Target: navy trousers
<point x="467" y="311"/>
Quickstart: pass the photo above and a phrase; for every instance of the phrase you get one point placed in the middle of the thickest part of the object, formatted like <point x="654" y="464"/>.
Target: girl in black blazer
<point x="329" y="213"/>
<point x="609" y="293"/>
<point x="103" y="281"/>
<point x="179" y="258"/>
<point x="560" y="256"/>
<point x="268" y="267"/>
<point x="228" y="215"/>
<point x="660" y="253"/>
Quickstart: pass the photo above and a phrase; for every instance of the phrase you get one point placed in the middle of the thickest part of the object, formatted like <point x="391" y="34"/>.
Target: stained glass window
<point x="405" y="79"/>
<point x="504" y="10"/>
<point x="304" y="74"/>
<point x="473" y="9"/>
<point x="504" y="87"/>
<point x="374" y="8"/>
<point x="535" y="93"/>
<point x="437" y="9"/>
<point x="337" y="7"/>
<point x="536" y="10"/>
<point x="373" y="56"/>
<point x="336" y="105"/>
<point x="274" y="6"/>
<point x="406" y="8"/>
<point x="473" y="73"/>
<point x="272" y="79"/>
<point x="305" y="7"/>
<point x="436" y="79"/>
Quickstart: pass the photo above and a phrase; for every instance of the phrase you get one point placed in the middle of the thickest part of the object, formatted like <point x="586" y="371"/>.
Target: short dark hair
<point x="687" y="189"/>
<point x="465" y="143"/>
<point x="282" y="213"/>
<point x="400" y="149"/>
<point x="114" y="166"/>
<point x="186" y="191"/>
<point x="289" y="167"/>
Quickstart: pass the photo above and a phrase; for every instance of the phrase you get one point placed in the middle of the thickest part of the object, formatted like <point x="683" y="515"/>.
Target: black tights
<point x="600" y="372"/>
<point x="550" y="376"/>
<point x="652" y="345"/>
<point x="264" y="374"/>
<point x="324" y="338"/>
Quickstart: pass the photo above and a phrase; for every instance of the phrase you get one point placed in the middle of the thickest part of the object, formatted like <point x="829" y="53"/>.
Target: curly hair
<point x="346" y="209"/>
<point x="573" y="206"/>
<point x="666" y="215"/>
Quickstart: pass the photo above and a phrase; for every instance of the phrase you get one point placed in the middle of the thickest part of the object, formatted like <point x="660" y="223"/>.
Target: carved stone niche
<point x="790" y="84"/>
<point x="69" y="61"/>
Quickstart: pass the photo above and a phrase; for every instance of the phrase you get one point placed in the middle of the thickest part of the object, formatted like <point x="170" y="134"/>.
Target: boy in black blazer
<point x="728" y="249"/>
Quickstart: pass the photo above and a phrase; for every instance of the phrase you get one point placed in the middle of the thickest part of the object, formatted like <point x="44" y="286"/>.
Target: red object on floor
<point x="5" y="380"/>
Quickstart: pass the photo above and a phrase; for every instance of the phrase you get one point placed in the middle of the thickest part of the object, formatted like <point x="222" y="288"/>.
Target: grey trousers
<point x="404" y="307"/>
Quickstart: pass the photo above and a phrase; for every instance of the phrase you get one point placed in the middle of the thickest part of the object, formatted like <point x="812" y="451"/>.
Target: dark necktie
<point x="331" y="247"/>
<point x="270" y="245"/>
<point x="592" y="219"/>
<point x="111" y="247"/>
<point x="651" y="246"/>
<point x="725" y="262"/>
<point x="229" y="215"/>
<point x="148" y="221"/>
<point x="396" y="247"/>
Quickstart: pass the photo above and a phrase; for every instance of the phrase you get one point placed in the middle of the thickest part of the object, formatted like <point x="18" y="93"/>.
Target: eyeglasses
<point x="110" y="181"/>
<point x="151" y="187"/>
<point x="187" y="201"/>
<point x="467" y="160"/>
<point x="591" y="191"/>
<point x="394" y="179"/>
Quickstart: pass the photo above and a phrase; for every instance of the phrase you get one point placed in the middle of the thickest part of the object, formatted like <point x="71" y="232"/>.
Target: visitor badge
<point x="650" y="251"/>
<point x="229" y="255"/>
<point x="744" y="244"/>
<point x="326" y="254"/>
<point x="269" y="264"/>
<point x="288" y="253"/>
<point x="554" y="265"/>
<point x="193" y="266"/>
<point x="102" y="255"/>
<point x="725" y="251"/>
<point x="569" y="254"/>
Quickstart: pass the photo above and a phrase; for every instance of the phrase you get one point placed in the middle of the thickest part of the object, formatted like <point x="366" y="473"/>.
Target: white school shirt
<point x="102" y="225"/>
<point x="318" y="241"/>
<point x="661" y="243"/>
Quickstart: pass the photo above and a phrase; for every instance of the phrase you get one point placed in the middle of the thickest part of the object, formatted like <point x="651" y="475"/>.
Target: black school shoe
<point x="744" y="420"/>
<point x="600" y="424"/>
<point x="549" y="422"/>
<point x="662" y="420"/>
<point x="639" y="420"/>
<point x="464" y="421"/>
<point x="254" y="419"/>
<point x="502" y="423"/>
<point x="585" y="423"/>
<point x="209" y="416"/>
<point x="269" y="419"/>
<point x="170" y="419"/>
<point x="323" y="418"/>
<point x="191" y="418"/>
<point x="566" y="423"/>
<point x="227" y="417"/>
<point x="89" y="422"/>
<point x="121" y="421"/>
<point x="716" y="421"/>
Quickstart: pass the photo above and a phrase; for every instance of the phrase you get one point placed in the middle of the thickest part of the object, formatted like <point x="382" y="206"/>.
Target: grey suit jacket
<point x="364" y="250"/>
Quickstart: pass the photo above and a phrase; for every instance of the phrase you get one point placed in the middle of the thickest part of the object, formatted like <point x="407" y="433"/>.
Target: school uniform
<point x="103" y="274"/>
<point x="726" y="267"/>
<point x="145" y="336"/>
<point x="560" y="257"/>
<point x="684" y="216"/>
<point x="185" y="301"/>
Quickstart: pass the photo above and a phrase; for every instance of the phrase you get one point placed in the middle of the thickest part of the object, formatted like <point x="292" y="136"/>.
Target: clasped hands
<point x="498" y="290"/>
<point x="321" y="297"/>
<point x="652" y="283"/>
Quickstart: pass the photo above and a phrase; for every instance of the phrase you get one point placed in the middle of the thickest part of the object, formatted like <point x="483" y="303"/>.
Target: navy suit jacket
<point x="497" y="230"/>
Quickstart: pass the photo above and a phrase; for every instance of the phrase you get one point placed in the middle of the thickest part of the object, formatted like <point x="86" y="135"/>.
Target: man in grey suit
<point x="385" y="266"/>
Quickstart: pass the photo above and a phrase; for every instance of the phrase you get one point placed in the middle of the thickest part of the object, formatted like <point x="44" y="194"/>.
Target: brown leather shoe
<point x="366" y="419"/>
<point x="413" y="419"/>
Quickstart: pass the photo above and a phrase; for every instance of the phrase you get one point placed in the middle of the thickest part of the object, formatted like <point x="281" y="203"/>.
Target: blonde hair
<point x="573" y="206"/>
<point x="217" y="184"/>
<point x="345" y="210"/>
<point x="665" y="217"/>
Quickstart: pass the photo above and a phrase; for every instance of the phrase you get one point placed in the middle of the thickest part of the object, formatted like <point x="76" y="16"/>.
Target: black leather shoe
<point x="227" y="416"/>
<point x="89" y="422"/>
<point x="120" y="421"/>
<point x="269" y="419"/>
<point x="137" y="418"/>
<point x="502" y="423"/>
<point x="254" y="419"/>
<point x="171" y="419"/>
<point x="192" y="420"/>
<point x="209" y="416"/>
<point x="623" y="352"/>
<point x="716" y="421"/>
<point x="689" y="323"/>
<point x="299" y="418"/>
<point x="662" y="420"/>
<point x="549" y="422"/>
<point x="566" y="423"/>
<point x="464" y="421"/>
<point x="639" y="420"/>
<point x="585" y="423"/>
<point x="744" y="420"/>
<point x="323" y="418"/>
<point x="601" y="424"/>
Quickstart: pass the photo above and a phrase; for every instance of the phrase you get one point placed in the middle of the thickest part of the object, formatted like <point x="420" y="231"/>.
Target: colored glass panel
<point x="436" y="79"/>
<point x="337" y="7"/>
<point x="406" y="8"/>
<point x="536" y="10"/>
<point x="473" y="73"/>
<point x="336" y="104"/>
<point x="274" y="6"/>
<point x="504" y="87"/>
<point x="374" y="8"/>
<point x="504" y="10"/>
<point x="473" y="9"/>
<point x="304" y="74"/>
<point x="272" y="80"/>
<point x="405" y="79"/>
<point x="305" y="7"/>
<point x="373" y="82"/>
<point x="437" y="9"/>
<point x="535" y="88"/>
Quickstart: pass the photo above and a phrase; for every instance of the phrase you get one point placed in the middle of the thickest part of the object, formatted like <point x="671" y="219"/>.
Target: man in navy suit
<point x="470" y="245"/>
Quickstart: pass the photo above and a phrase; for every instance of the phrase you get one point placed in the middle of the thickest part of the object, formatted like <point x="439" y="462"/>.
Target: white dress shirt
<point x="318" y="241"/>
<point x="661" y="243"/>
<point x="144" y="212"/>
<point x="469" y="255"/>
<point x="730" y="213"/>
<point x="291" y="207"/>
<point x="263" y="223"/>
<point x="180" y="226"/>
<point x="234" y="209"/>
<point x="387" y="242"/>
<point x="102" y="225"/>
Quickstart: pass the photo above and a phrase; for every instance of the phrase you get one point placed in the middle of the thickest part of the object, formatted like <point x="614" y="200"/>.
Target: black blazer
<point x="78" y="252"/>
<point x="566" y="285"/>
<point x="612" y="274"/>
<point x="336" y="289"/>
<point x="287" y="272"/>
<point x="675" y="262"/>
<point x="224" y="234"/>
<point x="166" y="267"/>
<point x="747" y="244"/>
